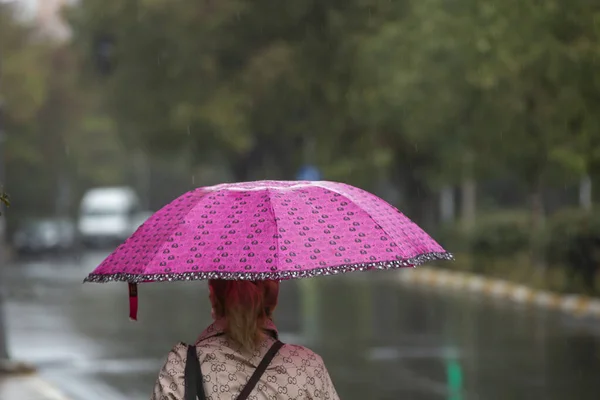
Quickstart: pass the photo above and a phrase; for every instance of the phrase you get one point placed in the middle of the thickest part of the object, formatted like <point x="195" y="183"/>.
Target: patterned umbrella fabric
<point x="268" y="230"/>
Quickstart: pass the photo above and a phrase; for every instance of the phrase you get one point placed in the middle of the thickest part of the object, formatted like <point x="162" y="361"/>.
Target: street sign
<point x="309" y="173"/>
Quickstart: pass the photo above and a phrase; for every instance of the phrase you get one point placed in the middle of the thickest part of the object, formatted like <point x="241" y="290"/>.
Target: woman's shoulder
<point x="289" y="353"/>
<point x="179" y="348"/>
<point x="178" y="354"/>
<point x="295" y="351"/>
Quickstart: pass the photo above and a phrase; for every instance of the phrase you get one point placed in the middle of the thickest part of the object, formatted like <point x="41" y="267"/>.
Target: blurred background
<point x="479" y="119"/>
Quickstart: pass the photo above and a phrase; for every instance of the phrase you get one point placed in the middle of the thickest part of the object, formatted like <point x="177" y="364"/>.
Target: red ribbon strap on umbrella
<point x="133" y="301"/>
<point x="267" y="230"/>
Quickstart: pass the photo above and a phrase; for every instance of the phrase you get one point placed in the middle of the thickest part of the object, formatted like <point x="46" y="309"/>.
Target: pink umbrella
<point x="267" y="230"/>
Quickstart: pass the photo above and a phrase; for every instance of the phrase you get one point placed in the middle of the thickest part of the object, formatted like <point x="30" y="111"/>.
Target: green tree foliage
<point x="573" y="241"/>
<point x="242" y="81"/>
<point x="405" y="88"/>
<point x="422" y="94"/>
<point x="23" y="83"/>
<point x="425" y="93"/>
<point x="48" y="123"/>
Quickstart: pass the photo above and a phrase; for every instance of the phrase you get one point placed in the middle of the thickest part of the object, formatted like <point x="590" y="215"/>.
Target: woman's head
<point x="245" y="306"/>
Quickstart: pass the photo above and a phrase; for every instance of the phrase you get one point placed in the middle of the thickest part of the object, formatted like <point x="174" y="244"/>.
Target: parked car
<point x="140" y="218"/>
<point x="108" y="215"/>
<point x="44" y="236"/>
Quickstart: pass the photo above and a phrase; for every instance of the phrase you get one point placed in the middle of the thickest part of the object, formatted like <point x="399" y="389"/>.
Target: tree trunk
<point x="141" y="167"/>
<point x="447" y="204"/>
<point x="286" y="164"/>
<point x="63" y="195"/>
<point x="537" y="210"/>
<point x="4" y="355"/>
<point x="427" y="210"/>
<point x="240" y="170"/>
<point x="537" y="225"/>
<point x="3" y="340"/>
<point x="585" y="193"/>
<point x="3" y="344"/>
<point x="468" y="196"/>
<point x="468" y="203"/>
<point x="244" y="166"/>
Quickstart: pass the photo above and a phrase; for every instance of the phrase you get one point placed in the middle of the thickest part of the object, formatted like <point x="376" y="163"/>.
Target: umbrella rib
<point x="170" y="232"/>
<point x="320" y="184"/>
<point x="160" y="247"/>
<point x="276" y="235"/>
<point x="147" y="245"/>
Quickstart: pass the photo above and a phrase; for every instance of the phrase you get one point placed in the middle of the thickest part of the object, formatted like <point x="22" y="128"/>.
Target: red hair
<point x="245" y="306"/>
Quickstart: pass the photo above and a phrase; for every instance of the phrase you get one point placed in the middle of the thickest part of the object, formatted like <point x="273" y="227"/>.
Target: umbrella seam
<point x="277" y="270"/>
<point x="363" y="211"/>
<point x="164" y="244"/>
<point x="170" y="232"/>
<point x="276" y="236"/>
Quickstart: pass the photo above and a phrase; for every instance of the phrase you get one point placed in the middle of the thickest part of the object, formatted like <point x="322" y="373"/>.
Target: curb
<point x="573" y="304"/>
<point x="28" y="374"/>
<point x="48" y="390"/>
<point x="16" y="368"/>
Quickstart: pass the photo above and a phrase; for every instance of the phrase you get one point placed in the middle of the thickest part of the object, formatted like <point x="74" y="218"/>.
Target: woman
<point x="232" y="348"/>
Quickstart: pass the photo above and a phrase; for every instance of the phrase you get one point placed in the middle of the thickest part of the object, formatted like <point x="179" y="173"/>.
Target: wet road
<point x="380" y="340"/>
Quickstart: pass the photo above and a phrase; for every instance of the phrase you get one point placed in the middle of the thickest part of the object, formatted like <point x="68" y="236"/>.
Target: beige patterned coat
<point x="296" y="373"/>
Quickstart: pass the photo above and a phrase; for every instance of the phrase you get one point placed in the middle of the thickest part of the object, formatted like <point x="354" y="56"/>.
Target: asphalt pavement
<point x="380" y="340"/>
<point x="28" y="388"/>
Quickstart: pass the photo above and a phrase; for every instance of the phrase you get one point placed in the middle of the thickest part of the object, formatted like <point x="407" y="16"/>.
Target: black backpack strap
<point x="194" y="387"/>
<point x="260" y="370"/>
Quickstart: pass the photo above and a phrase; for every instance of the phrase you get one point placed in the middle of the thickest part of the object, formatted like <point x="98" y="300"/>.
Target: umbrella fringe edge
<point x="274" y="275"/>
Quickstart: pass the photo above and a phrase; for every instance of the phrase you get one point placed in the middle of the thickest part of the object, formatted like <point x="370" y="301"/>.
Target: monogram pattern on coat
<point x="296" y="373"/>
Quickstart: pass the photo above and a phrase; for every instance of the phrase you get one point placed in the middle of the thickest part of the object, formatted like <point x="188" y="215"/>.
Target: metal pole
<point x="586" y="199"/>
<point x="6" y="364"/>
<point x="3" y="343"/>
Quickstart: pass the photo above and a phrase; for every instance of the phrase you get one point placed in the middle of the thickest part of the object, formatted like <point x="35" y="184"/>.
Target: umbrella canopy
<point x="269" y="230"/>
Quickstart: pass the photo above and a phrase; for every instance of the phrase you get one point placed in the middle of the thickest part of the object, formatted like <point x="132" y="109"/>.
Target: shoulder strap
<point x="194" y="387"/>
<point x="260" y="370"/>
<point x="194" y="384"/>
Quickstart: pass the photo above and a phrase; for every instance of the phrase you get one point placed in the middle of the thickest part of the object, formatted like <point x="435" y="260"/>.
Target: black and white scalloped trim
<point x="277" y="275"/>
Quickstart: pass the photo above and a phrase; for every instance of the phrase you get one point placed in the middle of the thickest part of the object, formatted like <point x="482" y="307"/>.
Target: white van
<point x="108" y="215"/>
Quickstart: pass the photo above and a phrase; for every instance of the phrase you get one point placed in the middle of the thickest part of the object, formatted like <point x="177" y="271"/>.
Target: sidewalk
<point x="28" y="387"/>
